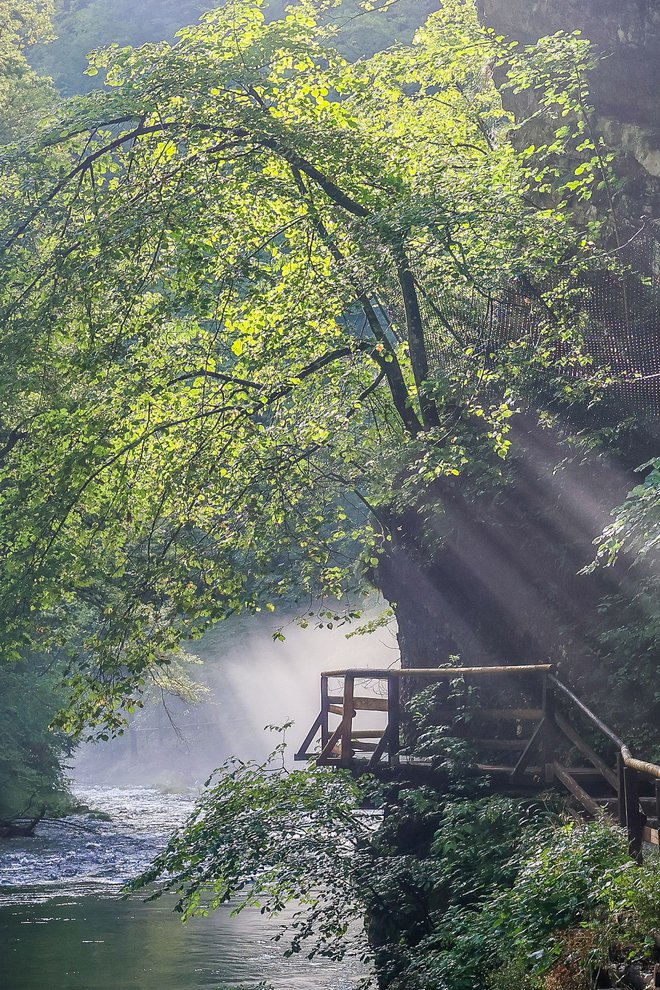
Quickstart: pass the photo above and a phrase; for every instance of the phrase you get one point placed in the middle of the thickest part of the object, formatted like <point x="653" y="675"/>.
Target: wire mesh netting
<point x="614" y="310"/>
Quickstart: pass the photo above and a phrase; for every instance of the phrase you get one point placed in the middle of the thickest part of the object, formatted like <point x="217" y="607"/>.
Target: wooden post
<point x="394" y="718"/>
<point x="548" y="741"/>
<point x="634" y="817"/>
<point x="621" y="790"/>
<point x="347" y="720"/>
<point x="325" y="712"/>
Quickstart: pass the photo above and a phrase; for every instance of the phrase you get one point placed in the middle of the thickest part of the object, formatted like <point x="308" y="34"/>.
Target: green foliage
<point x="215" y="357"/>
<point x="263" y="836"/>
<point x="82" y="26"/>
<point x="458" y="889"/>
<point x="25" y="97"/>
<point x="636" y="526"/>
<point x="631" y="634"/>
<point x="31" y="755"/>
<point x="559" y="879"/>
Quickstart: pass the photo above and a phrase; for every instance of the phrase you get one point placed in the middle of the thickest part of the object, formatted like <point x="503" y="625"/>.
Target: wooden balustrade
<point x="545" y="727"/>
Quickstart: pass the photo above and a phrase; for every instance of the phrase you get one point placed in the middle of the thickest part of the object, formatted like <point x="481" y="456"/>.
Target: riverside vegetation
<point x="241" y="367"/>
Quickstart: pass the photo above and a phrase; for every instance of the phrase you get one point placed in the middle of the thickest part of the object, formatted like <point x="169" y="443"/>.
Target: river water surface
<point x="64" y="925"/>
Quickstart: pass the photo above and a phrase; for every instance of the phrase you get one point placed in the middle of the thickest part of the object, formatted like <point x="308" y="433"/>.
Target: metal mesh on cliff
<point x="616" y="312"/>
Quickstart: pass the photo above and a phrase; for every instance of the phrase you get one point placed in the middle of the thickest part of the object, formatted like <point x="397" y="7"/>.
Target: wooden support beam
<point x="548" y="731"/>
<point x="526" y="754"/>
<point x="325" y="727"/>
<point x="380" y="748"/>
<point x="620" y="790"/>
<point x="302" y="752"/>
<point x="329" y="748"/>
<point x="571" y="784"/>
<point x="587" y="751"/>
<point x="347" y="721"/>
<point x="394" y="711"/>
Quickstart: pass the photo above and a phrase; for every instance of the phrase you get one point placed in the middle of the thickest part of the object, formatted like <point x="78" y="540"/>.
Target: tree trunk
<point x="494" y="576"/>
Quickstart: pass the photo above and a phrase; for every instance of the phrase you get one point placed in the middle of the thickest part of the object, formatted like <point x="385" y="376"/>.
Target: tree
<point x="82" y="26"/>
<point x="228" y="364"/>
<point x="458" y="888"/>
<point x="31" y="756"/>
<point x="24" y="95"/>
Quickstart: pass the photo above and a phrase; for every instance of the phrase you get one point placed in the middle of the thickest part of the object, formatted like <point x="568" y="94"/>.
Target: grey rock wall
<point x="625" y="84"/>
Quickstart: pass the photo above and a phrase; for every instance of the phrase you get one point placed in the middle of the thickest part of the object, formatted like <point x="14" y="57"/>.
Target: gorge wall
<point x="499" y="578"/>
<point x="625" y="85"/>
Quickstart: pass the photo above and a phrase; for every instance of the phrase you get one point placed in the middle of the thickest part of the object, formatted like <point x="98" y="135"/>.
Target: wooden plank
<point x="571" y="784"/>
<point x="517" y="714"/>
<point x="506" y="744"/>
<point x="504" y="768"/>
<point x="526" y="754"/>
<point x="576" y="772"/>
<point x="363" y="747"/>
<point x="362" y="704"/>
<point x="336" y="709"/>
<point x="651" y="835"/>
<point x="491" y="714"/>
<point x="367" y="734"/>
<point x="587" y="751"/>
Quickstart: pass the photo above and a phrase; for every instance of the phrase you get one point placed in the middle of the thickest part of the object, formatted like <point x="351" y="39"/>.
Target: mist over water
<point x="251" y="681"/>
<point x="61" y="912"/>
<point x="65" y="926"/>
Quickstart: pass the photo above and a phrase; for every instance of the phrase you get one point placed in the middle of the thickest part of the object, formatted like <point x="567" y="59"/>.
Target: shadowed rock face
<point x="625" y="85"/>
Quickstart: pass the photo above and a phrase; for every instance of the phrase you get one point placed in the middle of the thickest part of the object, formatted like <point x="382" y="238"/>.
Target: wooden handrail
<point x="641" y="766"/>
<point x="439" y="672"/>
<point x="586" y="711"/>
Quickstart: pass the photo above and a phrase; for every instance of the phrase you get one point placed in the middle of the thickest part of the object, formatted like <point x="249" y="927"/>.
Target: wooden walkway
<point x="527" y="736"/>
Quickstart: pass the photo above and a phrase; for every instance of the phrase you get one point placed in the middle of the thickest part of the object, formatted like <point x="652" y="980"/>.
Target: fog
<point x="251" y="681"/>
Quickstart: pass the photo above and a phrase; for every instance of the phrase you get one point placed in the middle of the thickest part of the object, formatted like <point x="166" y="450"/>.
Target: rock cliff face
<point x="625" y="85"/>
<point x="498" y="577"/>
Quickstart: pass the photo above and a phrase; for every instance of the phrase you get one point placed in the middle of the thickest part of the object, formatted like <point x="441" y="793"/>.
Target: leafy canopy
<point x="24" y="95"/>
<point x="223" y="344"/>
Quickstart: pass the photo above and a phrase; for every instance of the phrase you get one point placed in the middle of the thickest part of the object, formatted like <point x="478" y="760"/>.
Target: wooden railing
<point x="629" y="775"/>
<point x="544" y="727"/>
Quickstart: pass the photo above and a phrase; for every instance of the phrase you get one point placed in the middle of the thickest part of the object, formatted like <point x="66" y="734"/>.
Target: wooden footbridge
<point x="528" y="732"/>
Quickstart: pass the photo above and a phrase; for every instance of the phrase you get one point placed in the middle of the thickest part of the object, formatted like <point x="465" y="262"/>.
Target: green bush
<point x="563" y="878"/>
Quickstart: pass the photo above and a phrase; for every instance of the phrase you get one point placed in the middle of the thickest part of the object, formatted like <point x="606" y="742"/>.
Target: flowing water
<point x="64" y="925"/>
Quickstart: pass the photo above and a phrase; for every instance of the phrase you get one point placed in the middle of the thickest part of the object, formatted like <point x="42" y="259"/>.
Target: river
<point x="65" y="926"/>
